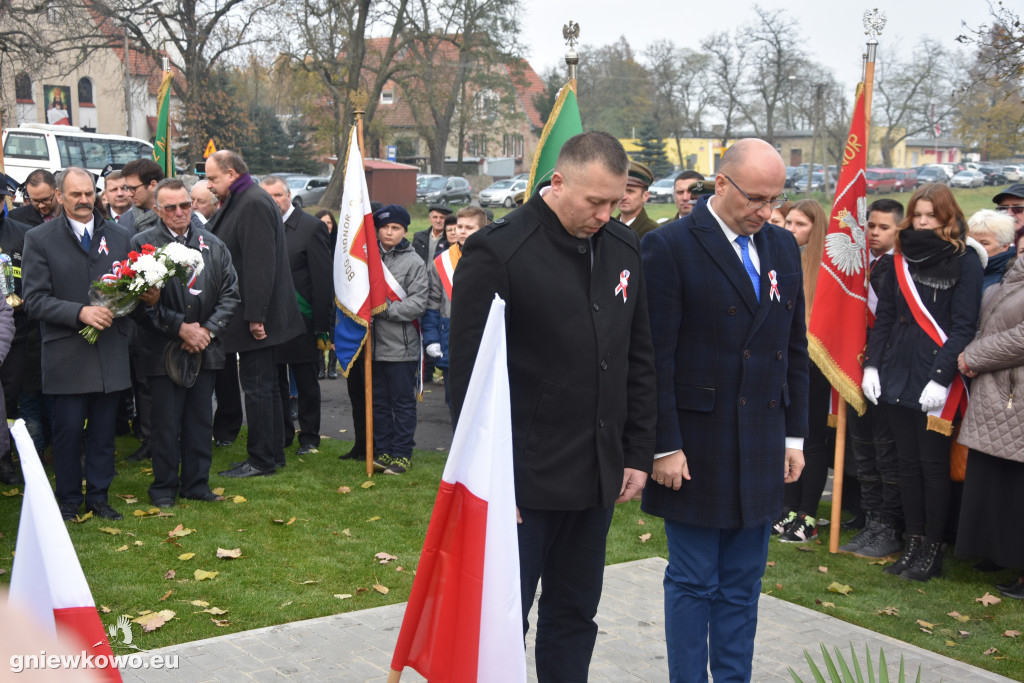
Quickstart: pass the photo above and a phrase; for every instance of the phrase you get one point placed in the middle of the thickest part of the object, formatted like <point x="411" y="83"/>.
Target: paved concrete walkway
<point x="357" y="646"/>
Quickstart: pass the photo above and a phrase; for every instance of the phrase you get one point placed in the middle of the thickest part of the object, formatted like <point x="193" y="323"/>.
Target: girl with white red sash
<point x="927" y="314"/>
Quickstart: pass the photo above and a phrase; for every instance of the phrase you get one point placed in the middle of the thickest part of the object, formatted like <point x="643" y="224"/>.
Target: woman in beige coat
<point x="993" y="429"/>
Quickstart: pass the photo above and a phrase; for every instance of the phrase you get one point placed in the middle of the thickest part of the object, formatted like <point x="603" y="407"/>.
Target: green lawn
<point x="292" y="570"/>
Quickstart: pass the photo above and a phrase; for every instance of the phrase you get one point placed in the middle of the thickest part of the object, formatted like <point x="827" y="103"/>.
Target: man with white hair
<point x="204" y="202"/>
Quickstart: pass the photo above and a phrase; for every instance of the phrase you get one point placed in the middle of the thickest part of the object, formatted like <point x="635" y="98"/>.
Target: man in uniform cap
<point x="682" y="192"/>
<point x="631" y="206"/>
<point x="1011" y="201"/>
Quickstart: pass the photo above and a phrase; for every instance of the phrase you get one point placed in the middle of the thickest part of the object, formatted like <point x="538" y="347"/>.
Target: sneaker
<point x="398" y="466"/>
<point x="783" y="523"/>
<point x="802" y="529"/>
<point x="381" y="462"/>
<point x="862" y="537"/>
<point x="885" y="542"/>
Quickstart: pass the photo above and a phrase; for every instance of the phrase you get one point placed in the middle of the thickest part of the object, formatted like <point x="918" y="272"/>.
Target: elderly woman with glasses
<point x="994" y="231"/>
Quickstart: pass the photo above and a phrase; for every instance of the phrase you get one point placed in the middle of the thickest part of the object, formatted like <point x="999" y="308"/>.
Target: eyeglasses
<point x="759" y="204"/>
<point x="172" y="208"/>
<point x="43" y="202"/>
<point x="1015" y="210"/>
<point x="132" y="188"/>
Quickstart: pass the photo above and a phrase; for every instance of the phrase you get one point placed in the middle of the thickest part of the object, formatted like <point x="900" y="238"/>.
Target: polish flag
<point x="46" y="580"/>
<point x="464" y="620"/>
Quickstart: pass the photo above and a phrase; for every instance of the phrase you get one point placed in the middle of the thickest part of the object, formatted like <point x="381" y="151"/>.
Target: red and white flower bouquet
<point x="119" y="289"/>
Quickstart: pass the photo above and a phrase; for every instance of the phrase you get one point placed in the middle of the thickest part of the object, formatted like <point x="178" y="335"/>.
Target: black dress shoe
<point x="321" y="375"/>
<point x="307" y="450"/>
<point x="69" y="511"/>
<point x="223" y="443"/>
<point x="243" y="470"/>
<point x="141" y="454"/>
<point x="332" y="374"/>
<point x="1011" y="586"/>
<point x="103" y="509"/>
<point x="1016" y="591"/>
<point x="163" y="502"/>
<point x="357" y="452"/>
<point x="208" y="497"/>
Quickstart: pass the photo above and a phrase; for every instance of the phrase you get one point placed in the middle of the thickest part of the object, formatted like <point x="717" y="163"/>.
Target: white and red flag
<point x="359" y="287"/>
<point x="47" y="581"/>
<point x="837" y="331"/>
<point x="464" y="621"/>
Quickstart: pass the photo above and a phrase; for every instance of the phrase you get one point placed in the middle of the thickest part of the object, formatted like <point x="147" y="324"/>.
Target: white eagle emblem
<point x="845" y="253"/>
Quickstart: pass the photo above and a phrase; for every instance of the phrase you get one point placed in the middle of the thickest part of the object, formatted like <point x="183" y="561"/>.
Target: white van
<point x="51" y="147"/>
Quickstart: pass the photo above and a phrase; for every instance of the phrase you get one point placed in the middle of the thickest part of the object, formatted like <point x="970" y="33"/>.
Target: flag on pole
<point x="162" y="149"/>
<point x="837" y="331"/>
<point x="359" y="287"/>
<point x="563" y="123"/>
<point x="47" y="581"/>
<point x="464" y="621"/>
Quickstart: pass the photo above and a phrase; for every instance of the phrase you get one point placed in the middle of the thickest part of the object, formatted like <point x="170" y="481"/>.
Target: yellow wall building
<point x="698" y="154"/>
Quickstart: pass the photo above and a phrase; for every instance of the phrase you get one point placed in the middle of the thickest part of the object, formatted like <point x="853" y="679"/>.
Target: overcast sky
<point x="831" y="31"/>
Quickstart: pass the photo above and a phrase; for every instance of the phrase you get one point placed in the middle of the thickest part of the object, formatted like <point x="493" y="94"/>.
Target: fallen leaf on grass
<point x="881" y="563"/>
<point x="645" y="537"/>
<point x="128" y="498"/>
<point x="823" y="569"/>
<point x="203" y="575"/>
<point x="950" y="643"/>
<point x="344" y="489"/>
<point x="926" y="630"/>
<point x="346" y="533"/>
<point x="138" y="543"/>
<point x="169" y="574"/>
<point x="151" y="621"/>
<point x="122" y="548"/>
<point x="1011" y="634"/>
<point x="215" y="610"/>
<point x="104" y="609"/>
<point x="220" y="622"/>
<point x="179" y="531"/>
<point x="13" y="492"/>
<point x="890" y="611"/>
<point x="963" y="634"/>
<point x="988" y="599"/>
<point x="804" y="549"/>
<point x="990" y="651"/>
<point x="368" y="484"/>
<point x="925" y="624"/>
<point x="778" y="586"/>
<point x="824" y="603"/>
<point x="110" y="530"/>
<point x="375" y="518"/>
<point x="399" y="569"/>
<point x="238" y="499"/>
<point x="307" y="582"/>
<point x="385" y="558"/>
<point x="146" y="470"/>
<point x="166" y="595"/>
<point x="770" y="563"/>
<point x="343" y="596"/>
<point x="232" y="554"/>
<point x="199" y="603"/>
<point x="285" y="604"/>
<point x="962" y="618"/>
<point x="383" y="590"/>
<point x="219" y="491"/>
<point x="151" y="512"/>
<point x="640" y="522"/>
<point x="290" y="522"/>
<point x="82" y="518"/>
<point x="836" y="587"/>
<point x="186" y="556"/>
<point x="362" y="590"/>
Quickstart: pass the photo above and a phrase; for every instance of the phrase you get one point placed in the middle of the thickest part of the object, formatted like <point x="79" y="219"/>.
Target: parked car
<point x="817" y="182"/>
<point x="307" y="190"/>
<point x="437" y="189"/>
<point x="1012" y="173"/>
<point x="881" y="180"/>
<point x="968" y="178"/>
<point x="993" y="175"/>
<point x="662" y="190"/>
<point x="502" y="193"/>
<point x="906" y="179"/>
<point x="932" y="174"/>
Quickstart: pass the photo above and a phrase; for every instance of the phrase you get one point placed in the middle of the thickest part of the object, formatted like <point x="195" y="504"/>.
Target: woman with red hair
<point x="927" y="314"/>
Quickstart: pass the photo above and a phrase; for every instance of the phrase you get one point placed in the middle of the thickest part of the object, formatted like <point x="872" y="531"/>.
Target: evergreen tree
<point x="266" y="151"/>
<point x="300" y="151"/>
<point x="652" y="150"/>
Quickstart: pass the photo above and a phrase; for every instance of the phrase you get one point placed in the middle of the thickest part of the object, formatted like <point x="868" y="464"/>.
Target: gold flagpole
<point x="368" y="346"/>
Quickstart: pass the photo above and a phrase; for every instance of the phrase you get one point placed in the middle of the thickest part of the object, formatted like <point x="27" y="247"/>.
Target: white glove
<point x="871" y="385"/>
<point x="933" y="396"/>
<point x="434" y="350"/>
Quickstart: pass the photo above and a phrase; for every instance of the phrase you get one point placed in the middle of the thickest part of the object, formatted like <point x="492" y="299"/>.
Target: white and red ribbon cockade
<point x="202" y="244"/>
<point x="103" y="246"/>
<point x="774" y="280"/>
<point x="623" y="283"/>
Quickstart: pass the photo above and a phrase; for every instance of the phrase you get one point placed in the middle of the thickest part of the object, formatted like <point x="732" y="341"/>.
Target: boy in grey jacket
<point x="396" y="344"/>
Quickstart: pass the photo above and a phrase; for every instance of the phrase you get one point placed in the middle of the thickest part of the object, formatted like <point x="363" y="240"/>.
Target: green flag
<point x="162" y="151"/>
<point x="563" y="123"/>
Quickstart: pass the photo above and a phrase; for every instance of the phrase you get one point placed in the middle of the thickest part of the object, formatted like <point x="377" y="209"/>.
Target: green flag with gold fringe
<point x="562" y="124"/>
<point x="162" y="150"/>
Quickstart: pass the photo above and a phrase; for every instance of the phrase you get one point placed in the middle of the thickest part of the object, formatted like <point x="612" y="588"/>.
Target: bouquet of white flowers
<point x="119" y="289"/>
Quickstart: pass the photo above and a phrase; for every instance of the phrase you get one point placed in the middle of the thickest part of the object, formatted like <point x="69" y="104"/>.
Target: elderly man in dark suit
<point x="249" y="223"/>
<point x="311" y="263"/>
<point x="581" y="378"/>
<point x="192" y="318"/>
<point x="727" y="317"/>
<point x="62" y="259"/>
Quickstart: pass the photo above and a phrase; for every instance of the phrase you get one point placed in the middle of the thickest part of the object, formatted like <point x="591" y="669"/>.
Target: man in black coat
<point x="582" y="386"/>
<point x="41" y="202"/>
<point x="62" y="260"/>
<point x="309" y="258"/>
<point x="249" y="223"/>
<point x="191" y="317"/>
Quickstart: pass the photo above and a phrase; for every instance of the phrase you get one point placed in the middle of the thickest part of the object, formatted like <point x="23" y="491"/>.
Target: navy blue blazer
<point x="732" y="373"/>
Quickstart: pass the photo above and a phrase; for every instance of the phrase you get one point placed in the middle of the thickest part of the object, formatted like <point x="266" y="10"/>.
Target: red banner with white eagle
<point x="837" y="331"/>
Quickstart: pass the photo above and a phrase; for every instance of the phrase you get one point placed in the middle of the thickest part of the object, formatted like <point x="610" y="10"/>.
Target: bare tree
<point x="681" y="90"/>
<point x="728" y="75"/>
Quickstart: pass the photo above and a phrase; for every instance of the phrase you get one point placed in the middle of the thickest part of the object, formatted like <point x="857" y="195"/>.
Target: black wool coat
<point x="311" y="263"/>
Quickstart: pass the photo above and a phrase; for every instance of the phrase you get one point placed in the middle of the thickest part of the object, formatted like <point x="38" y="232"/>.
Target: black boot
<point x="332" y="365"/>
<point x="321" y="368"/>
<point x="884" y="542"/>
<point x="926" y="564"/>
<point x="914" y="544"/>
<point x="864" y="536"/>
<point x="9" y="472"/>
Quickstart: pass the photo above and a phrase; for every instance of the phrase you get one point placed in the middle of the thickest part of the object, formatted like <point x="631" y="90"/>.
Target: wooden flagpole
<point x="368" y="346"/>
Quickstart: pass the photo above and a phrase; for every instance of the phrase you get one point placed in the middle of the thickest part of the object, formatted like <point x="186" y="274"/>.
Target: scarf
<point x="932" y="260"/>
<point x="241" y="183"/>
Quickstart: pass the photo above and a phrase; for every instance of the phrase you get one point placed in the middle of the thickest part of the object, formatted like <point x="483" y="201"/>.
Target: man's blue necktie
<point x="755" y="278"/>
<point x="86" y="241"/>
